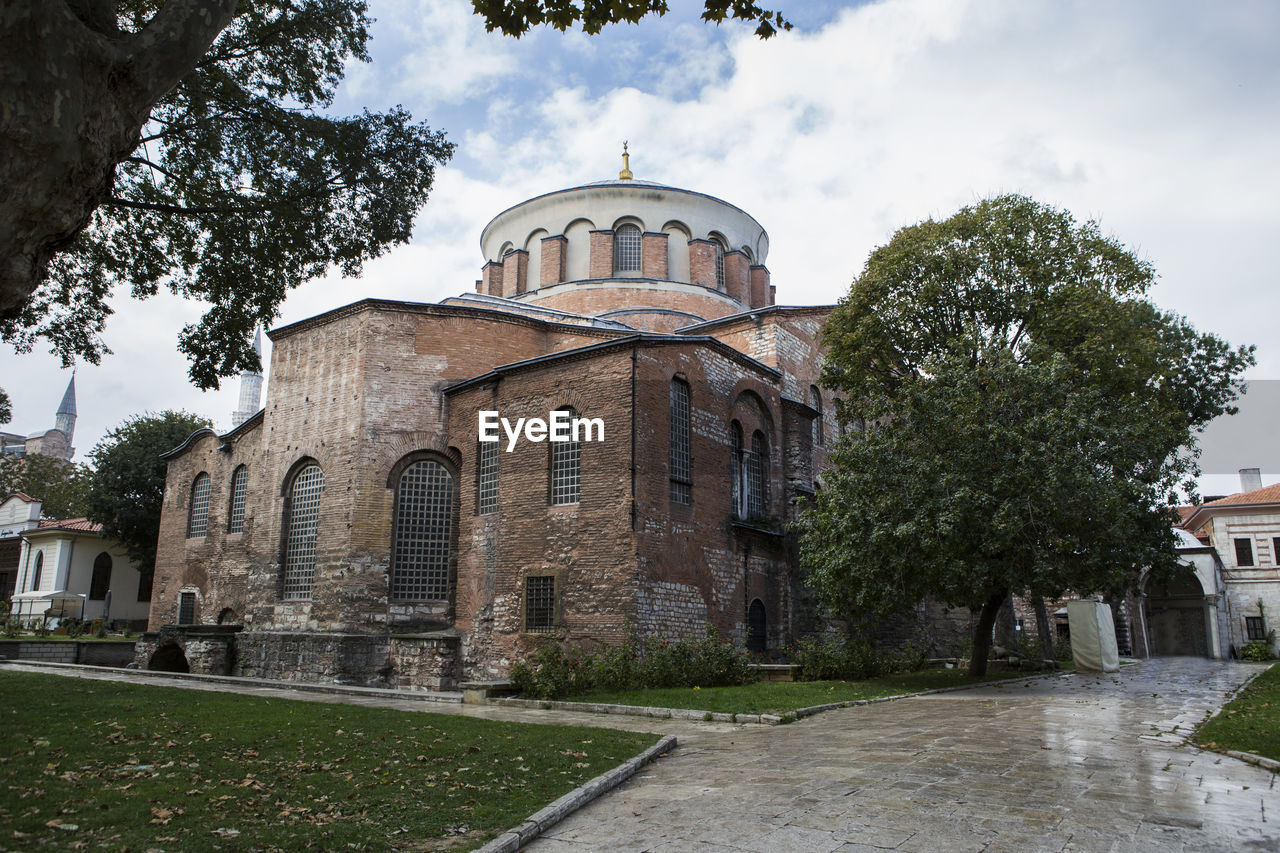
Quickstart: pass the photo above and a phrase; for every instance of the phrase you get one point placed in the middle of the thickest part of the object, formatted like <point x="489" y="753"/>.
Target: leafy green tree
<point x="184" y="143"/>
<point x="1032" y="416"/>
<point x="126" y="491"/>
<point x="61" y="487"/>
<point x="6" y="408"/>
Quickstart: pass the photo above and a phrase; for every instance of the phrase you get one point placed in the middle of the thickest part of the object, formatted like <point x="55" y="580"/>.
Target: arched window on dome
<point x="626" y="249"/>
<point x="719" y="263"/>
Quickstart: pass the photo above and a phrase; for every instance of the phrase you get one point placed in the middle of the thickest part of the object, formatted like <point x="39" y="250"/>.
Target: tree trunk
<point x="982" y="633"/>
<point x="1007" y="626"/>
<point x="75" y="92"/>
<point x="1042" y="625"/>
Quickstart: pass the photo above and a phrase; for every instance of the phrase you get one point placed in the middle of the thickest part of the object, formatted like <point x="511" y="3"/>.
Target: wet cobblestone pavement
<point x="1078" y="762"/>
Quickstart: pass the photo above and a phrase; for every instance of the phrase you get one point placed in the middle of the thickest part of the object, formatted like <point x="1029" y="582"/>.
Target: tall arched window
<point x="719" y="264"/>
<point x="815" y="402"/>
<point x="735" y="469"/>
<point x="487" y="478"/>
<point x="626" y="249"/>
<point x="422" y="539"/>
<point x="37" y="572"/>
<point x="566" y="463"/>
<point x="239" y="490"/>
<point x="679" y="452"/>
<point x="756" y="475"/>
<point x="198" y="513"/>
<point x="302" y="517"/>
<point x="100" y="581"/>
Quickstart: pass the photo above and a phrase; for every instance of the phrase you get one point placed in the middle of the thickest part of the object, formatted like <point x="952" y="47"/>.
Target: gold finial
<point x="625" y="174"/>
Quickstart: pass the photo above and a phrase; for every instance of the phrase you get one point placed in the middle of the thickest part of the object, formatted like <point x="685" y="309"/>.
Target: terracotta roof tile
<point x="1265" y="495"/>
<point x="77" y="525"/>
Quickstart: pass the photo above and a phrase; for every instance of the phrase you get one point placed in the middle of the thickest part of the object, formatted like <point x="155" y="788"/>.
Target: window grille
<point x="198" y="515"/>
<point x="756" y="465"/>
<point x="1255" y="628"/>
<point x="304" y="518"/>
<point x="540" y="603"/>
<point x="239" y="488"/>
<point x="681" y="473"/>
<point x="100" y="581"/>
<point x="1244" y="552"/>
<point x="424" y="525"/>
<point x="719" y="265"/>
<point x="626" y="249"/>
<point x="487" y="485"/>
<point x="566" y="462"/>
<point x="735" y="468"/>
<point x="815" y="402"/>
<point x="186" y="608"/>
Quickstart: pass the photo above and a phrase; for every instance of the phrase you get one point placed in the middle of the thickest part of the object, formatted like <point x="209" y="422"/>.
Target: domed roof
<point x="1186" y="539"/>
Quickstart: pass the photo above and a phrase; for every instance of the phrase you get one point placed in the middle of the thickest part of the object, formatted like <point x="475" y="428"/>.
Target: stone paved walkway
<point x="1072" y="763"/>
<point x="1065" y="763"/>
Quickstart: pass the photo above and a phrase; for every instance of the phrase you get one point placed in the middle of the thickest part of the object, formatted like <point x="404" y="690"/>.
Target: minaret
<point x="625" y="174"/>
<point x="250" y="388"/>
<point x="65" y="419"/>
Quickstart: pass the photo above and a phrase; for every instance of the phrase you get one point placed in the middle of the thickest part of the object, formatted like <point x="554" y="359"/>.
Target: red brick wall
<point x="515" y="271"/>
<point x="594" y="301"/>
<point x="702" y="263"/>
<point x="654" y="255"/>
<point x="492" y="278"/>
<point x="553" y="255"/>
<point x="735" y="276"/>
<point x="601" y="262"/>
<point x="760" y="292"/>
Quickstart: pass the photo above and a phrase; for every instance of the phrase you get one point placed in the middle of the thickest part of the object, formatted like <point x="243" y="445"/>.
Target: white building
<point x="67" y="569"/>
<point x="1244" y="531"/>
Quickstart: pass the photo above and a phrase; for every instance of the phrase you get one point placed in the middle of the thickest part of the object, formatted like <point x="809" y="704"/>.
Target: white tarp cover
<point x="1093" y="636"/>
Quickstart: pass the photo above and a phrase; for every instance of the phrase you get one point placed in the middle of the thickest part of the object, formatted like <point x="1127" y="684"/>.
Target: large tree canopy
<point x="1032" y="416"/>
<point x="230" y="187"/>
<point x="183" y="143"/>
<point x="61" y="487"/>
<point x="126" y="491"/>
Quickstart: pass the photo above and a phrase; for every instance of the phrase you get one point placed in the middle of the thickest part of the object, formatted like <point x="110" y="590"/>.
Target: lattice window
<point x="626" y="249"/>
<point x="719" y="264"/>
<point x="303" y="524"/>
<point x="566" y="464"/>
<point x="100" y="581"/>
<point x="487" y="478"/>
<point x="815" y="402"/>
<point x="423" y="535"/>
<point x="678" y="455"/>
<point x="186" y="608"/>
<point x="757" y="471"/>
<point x="735" y="468"/>
<point x="1255" y="628"/>
<point x="239" y="490"/>
<point x="540" y="603"/>
<point x="1244" y="552"/>
<point x="198" y="514"/>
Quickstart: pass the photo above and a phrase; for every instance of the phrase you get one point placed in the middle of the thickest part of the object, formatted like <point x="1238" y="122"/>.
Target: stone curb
<point x="540" y="821"/>
<point x="298" y="686"/>
<point x="757" y="719"/>
<point x="1256" y="760"/>
<point x="1247" y="757"/>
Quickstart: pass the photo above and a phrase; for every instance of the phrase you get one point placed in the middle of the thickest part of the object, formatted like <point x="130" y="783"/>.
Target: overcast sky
<point x="1159" y="119"/>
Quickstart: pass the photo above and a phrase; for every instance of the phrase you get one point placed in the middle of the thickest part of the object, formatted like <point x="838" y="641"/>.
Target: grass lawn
<point x="1251" y="721"/>
<point x="98" y="764"/>
<point x="768" y="697"/>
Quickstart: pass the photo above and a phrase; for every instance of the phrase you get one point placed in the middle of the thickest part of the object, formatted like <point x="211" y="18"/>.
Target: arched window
<point x="239" y="489"/>
<point x="100" y="582"/>
<point x="719" y="264"/>
<point x="757" y="465"/>
<point x="198" y="513"/>
<point x="815" y="402"/>
<point x="422" y="539"/>
<point x="679" y="452"/>
<point x="735" y="469"/>
<point x="566" y="463"/>
<point x="302" y="517"/>
<point x="37" y="571"/>
<point x="756" y="624"/>
<point x="487" y="478"/>
<point x="626" y="249"/>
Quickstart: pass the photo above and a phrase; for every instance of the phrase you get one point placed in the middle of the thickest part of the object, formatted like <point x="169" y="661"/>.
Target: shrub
<point x="1258" y="651"/>
<point x="75" y="627"/>
<point x="837" y="658"/>
<point x="639" y="662"/>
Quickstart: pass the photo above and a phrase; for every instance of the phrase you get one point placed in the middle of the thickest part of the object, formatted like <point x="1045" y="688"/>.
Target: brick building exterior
<point x="358" y="529"/>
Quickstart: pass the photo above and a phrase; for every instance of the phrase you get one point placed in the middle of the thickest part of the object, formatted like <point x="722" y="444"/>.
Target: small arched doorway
<point x="756" y="636"/>
<point x="169" y="658"/>
<point x="1178" y="617"/>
